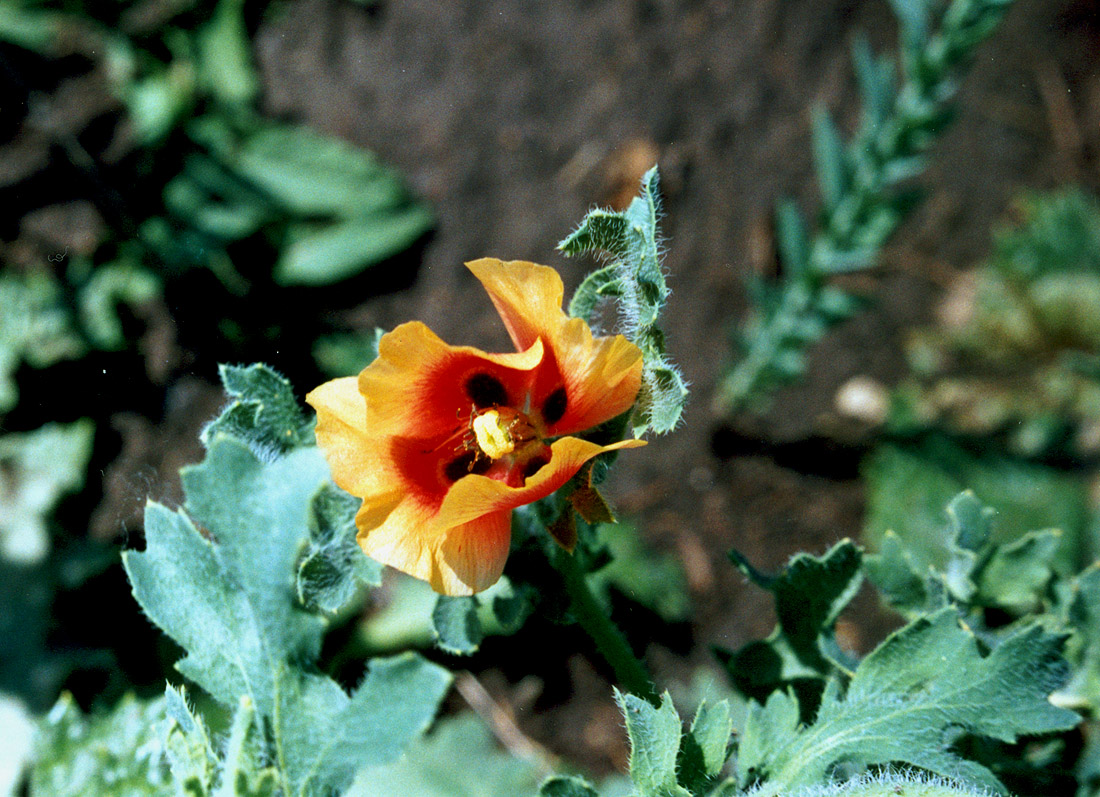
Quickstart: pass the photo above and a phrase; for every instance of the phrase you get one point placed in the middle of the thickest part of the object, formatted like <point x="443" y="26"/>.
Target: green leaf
<point x="159" y="102"/>
<point x="223" y="586"/>
<point x="809" y="595"/>
<point x="457" y="627"/>
<point x="19" y="740"/>
<point x="36" y="469"/>
<point x="790" y="234"/>
<point x="347" y="353"/>
<point x="1081" y="612"/>
<point x="26" y="26"/>
<point x="647" y="577"/>
<point x="322" y="256"/>
<point x="876" y="82"/>
<point x="634" y="278"/>
<point x="924" y="687"/>
<point x="915" y="19"/>
<point x="314" y="175"/>
<point x="35" y="327"/>
<point x="654" y="744"/>
<point x="393" y="706"/>
<point x="242" y="774"/>
<point x="598" y="285"/>
<point x="187" y="746"/>
<point x="334" y="567"/>
<point x="225" y="56"/>
<point x="829" y="160"/>
<point x="442" y="764"/>
<point x="906" y="783"/>
<point x="908" y="486"/>
<point x="116" y="753"/>
<point x="1018" y="574"/>
<point x="123" y="282"/>
<point x="264" y="412"/>
<point x="705" y="748"/>
<point x="567" y="786"/>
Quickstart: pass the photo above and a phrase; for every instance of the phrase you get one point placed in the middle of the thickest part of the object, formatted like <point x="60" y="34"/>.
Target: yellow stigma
<point x="492" y="437"/>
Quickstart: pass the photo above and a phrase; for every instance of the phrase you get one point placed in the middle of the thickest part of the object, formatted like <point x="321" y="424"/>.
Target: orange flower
<point x="442" y="442"/>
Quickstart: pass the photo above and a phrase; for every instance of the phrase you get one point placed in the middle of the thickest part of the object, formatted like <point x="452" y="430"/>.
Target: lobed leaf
<point x="809" y="594"/>
<point x="222" y="577"/>
<point x="263" y="413"/>
<point x="654" y="744"/>
<point x="909" y="700"/>
<point x="115" y="753"/>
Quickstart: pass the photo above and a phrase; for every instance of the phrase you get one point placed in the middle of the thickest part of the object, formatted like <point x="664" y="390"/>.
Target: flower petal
<point x="456" y="560"/>
<point x="600" y="379"/>
<point x="342" y="435"/>
<point x="583" y="381"/>
<point x="527" y="296"/>
<point x="421" y="387"/>
<point x="475" y="495"/>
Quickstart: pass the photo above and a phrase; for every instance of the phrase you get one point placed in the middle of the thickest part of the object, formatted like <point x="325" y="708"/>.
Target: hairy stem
<point x="630" y="672"/>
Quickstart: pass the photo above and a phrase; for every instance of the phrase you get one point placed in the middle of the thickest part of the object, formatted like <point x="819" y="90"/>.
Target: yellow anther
<point x="492" y="437"/>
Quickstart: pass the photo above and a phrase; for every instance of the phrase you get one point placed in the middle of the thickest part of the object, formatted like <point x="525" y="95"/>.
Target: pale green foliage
<point x="35" y="327"/>
<point x="664" y="760"/>
<point x="908" y="486"/>
<point x="925" y="686"/>
<point x="976" y="570"/>
<point x="647" y="577"/>
<point x="188" y="746"/>
<point x="223" y="577"/>
<point x="24" y="23"/>
<point x="860" y="186"/>
<point x="334" y="208"/>
<point x="117" y="753"/>
<point x="1016" y="355"/>
<point x="264" y="411"/>
<point x="333" y="569"/>
<point x="226" y="594"/>
<point x="17" y="729"/>
<point x="634" y="278"/>
<point x="36" y="469"/>
<point x="567" y="786"/>
<point x="111" y="285"/>
<point x="346" y="353"/>
<point x="890" y="784"/>
<point x="457" y="627"/>
<point x="459" y="758"/>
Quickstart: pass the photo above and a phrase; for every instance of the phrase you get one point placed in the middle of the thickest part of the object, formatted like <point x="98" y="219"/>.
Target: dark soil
<point x="512" y="119"/>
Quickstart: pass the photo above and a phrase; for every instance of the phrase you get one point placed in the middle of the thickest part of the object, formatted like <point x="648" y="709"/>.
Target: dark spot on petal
<point x="553" y="409"/>
<point x="459" y="466"/>
<point x="464" y="464"/>
<point x="534" y="465"/>
<point x="486" y="391"/>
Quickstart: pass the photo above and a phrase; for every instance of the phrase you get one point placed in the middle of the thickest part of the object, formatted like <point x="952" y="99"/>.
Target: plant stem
<point x="630" y="672"/>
